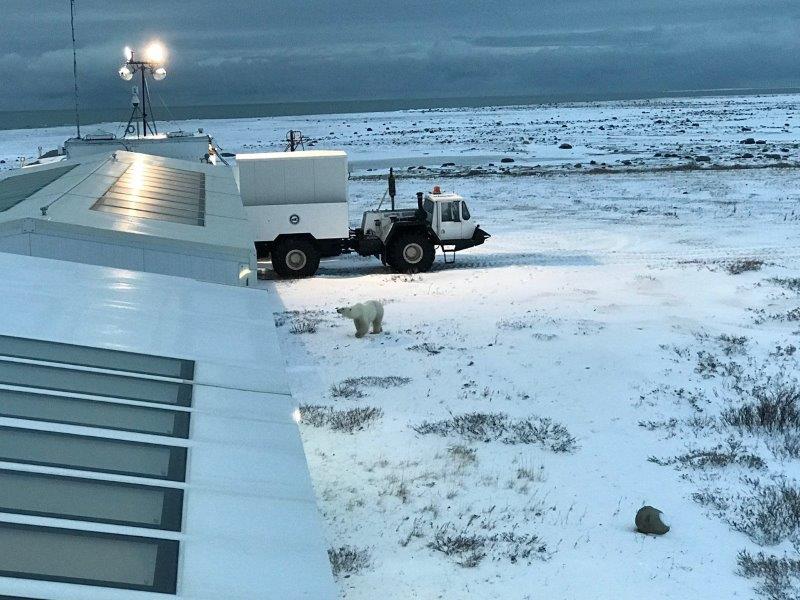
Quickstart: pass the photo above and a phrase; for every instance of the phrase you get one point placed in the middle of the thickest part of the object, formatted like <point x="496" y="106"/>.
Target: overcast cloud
<point x="227" y="51"/>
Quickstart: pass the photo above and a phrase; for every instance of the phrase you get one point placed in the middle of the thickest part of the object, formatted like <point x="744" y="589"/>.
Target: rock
<point x="578" y="166"/>
<point x="627" y="163"/>
<point x="566" y="146"/>
<point x="761" y="141"/>
<point x="506" y="160"/>
<point x="702" y="158"/>
<point x="649" y="520"/>
<point x="773" y="156"/>
<point x="449" y="165"/>
<point x="748" y="141"/>
<point x="747" y="155"/>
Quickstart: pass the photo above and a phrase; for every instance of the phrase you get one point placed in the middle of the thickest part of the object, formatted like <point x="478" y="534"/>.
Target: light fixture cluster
<point x="154" y="58"/>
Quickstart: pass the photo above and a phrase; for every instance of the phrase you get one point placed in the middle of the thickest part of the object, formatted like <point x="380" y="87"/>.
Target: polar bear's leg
<point x="362" y="326"/>
<point x="378" y="320"/>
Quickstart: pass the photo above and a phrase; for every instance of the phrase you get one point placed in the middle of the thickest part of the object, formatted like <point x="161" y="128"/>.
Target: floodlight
<point x="150" y="62"/>
<point x="155" y="53"/>
<point x="125" y="72"/>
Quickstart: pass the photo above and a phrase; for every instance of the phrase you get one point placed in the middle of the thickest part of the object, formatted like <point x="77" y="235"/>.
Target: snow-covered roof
<point x="218" y="504"/>
<point x="290" y="155"/>
<point x="151" y="213"/>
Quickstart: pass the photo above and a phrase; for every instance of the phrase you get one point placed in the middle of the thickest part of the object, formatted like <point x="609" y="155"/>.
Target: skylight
<point x="17" y="188"/>
<point x="161" y="193"/>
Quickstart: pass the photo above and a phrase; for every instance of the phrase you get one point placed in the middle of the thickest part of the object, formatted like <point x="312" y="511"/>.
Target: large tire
<point x="294" y="258"/>
<point x="411" y="252"/>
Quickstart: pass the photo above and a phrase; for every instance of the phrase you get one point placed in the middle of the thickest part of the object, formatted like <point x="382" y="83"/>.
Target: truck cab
<point x="449" y="218"/>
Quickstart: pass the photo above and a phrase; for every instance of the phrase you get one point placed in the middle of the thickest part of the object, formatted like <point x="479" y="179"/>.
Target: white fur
<point x="364" y="314"/>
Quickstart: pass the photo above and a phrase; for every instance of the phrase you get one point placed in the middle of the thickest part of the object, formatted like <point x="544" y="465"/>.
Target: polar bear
<point x="364" y="314"/>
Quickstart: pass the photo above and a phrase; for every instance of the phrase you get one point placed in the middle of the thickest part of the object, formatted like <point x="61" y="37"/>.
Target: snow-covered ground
<point x="598" y="353"/>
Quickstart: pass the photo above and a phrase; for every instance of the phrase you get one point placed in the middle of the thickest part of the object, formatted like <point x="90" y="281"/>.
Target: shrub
<point x="776" y="574"/>
<point x="717" y="457"/>
<point x="769" y="514"/>
<point x="463" y="454"/>
<point x="346" y="389"/>
<point x="775" y="409"/>
<point x="348" y="420"/>
<point x="487" y="427"/>
<point x="791" y="283"/>
<point x="467" y="550"/>
<point x="348" y="560"/>
<point x="742" y="266"/>
<point x="351" y="387"/>
<point x="303" y="326"/>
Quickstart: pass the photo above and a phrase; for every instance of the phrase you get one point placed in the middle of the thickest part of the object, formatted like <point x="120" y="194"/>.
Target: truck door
<point x="450" y="222"/>
<point x="467" y="224"/>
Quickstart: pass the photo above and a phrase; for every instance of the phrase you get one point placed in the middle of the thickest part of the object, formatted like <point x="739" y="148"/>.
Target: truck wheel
<point x="295" y="258"/>
<point x="411" y="253"/>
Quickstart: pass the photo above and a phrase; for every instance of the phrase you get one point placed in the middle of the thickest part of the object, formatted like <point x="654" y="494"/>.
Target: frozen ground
<point x="624" y="338"/>
<point x="590" y="306"/>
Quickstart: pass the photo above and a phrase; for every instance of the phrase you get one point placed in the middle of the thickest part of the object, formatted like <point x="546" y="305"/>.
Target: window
<point x="96" y="357"/>
<point x="427" y="206"/>
<point x="93" y="413"/>
<point x="96" y="384"/>
<point x="450" y="211"/>
<point x="17" y="188"/>
<point x="32" y="446"/>
<point x="90" y="500"/>
<point x="90" y="558"/>
<point x="464" y="211"/>
<point x="151" y="192"/>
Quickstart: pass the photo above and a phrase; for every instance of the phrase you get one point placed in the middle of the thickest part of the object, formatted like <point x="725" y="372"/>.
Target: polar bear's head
<point x="345" y="311"/>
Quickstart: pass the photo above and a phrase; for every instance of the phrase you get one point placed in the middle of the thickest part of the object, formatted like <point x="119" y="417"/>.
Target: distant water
<point x="26" y="119"/>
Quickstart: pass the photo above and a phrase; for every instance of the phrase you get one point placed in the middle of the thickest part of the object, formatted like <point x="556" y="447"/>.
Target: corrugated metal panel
<point x="15" y="189"/>
<point x="152" y="192"/>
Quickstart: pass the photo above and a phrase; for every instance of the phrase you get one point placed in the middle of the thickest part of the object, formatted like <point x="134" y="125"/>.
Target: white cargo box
<point x="295" y="193"/>
<point x="306" y="177"/>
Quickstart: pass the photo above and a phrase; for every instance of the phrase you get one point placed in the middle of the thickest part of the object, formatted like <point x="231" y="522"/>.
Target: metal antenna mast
<point x="152" y="63"/>
<point x="74" y="65"/>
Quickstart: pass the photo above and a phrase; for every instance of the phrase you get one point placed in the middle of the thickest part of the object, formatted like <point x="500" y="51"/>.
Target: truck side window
<point x="427" y="206"/>
<point x="450" y="211"/>
<point x="464" y="211"/>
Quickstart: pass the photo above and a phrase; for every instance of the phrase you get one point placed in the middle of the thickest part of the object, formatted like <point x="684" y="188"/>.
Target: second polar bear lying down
<point x="364" y="314"/>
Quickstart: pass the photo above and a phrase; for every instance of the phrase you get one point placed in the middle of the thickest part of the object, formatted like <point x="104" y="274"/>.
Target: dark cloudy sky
<point x="234" y="51"/>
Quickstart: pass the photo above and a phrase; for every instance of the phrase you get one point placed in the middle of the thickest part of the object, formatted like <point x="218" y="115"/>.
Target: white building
<point x="147" y="445"/>
<point x="131" y="211"/>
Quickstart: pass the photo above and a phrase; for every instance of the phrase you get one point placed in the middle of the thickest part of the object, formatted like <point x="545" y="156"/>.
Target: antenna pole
<point x="144" y="104"/>
<point x="74" y="65"/>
